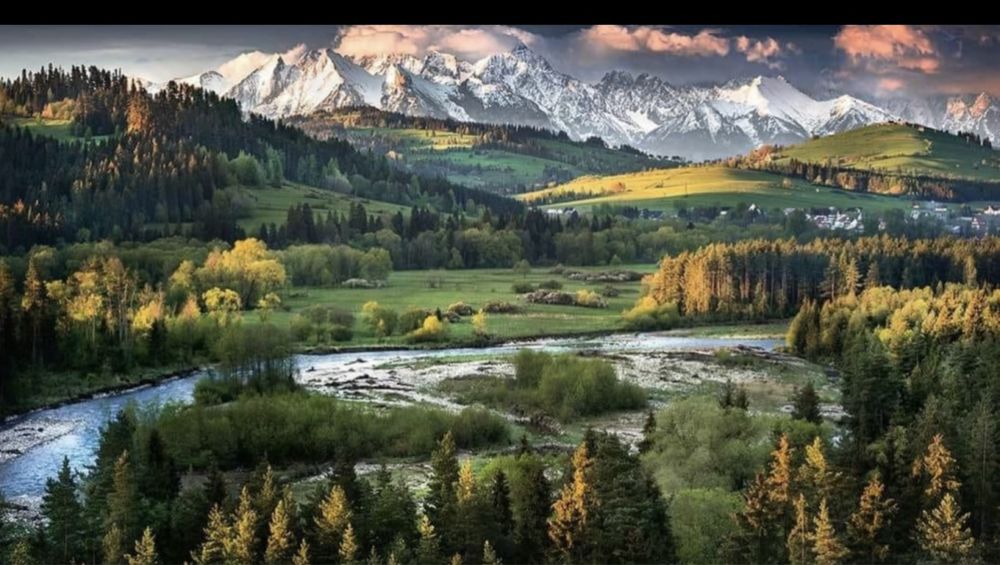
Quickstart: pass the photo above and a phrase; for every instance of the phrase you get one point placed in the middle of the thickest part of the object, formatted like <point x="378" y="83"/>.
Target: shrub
<point x="381" y="320"/>
<point x="648" y="315"/>
<point x="551" y="284"/>
<point x="462" y="309"/>
<point x="501" y="307"/>
<point x="590" y="299"/>
<point x="412" y="318"/>
<point x="522" y="288"/>
<point x="432" y="329"/>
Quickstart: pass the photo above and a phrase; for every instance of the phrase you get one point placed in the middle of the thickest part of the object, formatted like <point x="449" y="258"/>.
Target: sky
<point x="871" y="61"/>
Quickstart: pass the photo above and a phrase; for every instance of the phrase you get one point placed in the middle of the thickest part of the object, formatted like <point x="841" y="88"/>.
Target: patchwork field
<point x="664" y="189"/>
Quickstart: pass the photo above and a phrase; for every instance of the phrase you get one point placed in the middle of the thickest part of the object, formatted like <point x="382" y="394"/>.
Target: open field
<point x="57" y="129"/>
<point x="664" y="189"/>
<point x="894" y="147"/>
<point x="439" y="288"/>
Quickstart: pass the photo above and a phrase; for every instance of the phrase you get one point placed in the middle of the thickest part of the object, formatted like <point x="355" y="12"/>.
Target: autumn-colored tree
<point x="567" y="526"/>
<point x="215" y="548"/>
<point x="348" y="550"/>
<point x="280" y="539"/>
<point x="123" y="503"/>
<point x="869" y="523"/>
<point x="479" y="322"/>
<point x="332" y="517"/>
<point x="243" y="544"/>
<point x="113" y="546"/>
<point x="942" y="532"/>
<point x="489" y="555"/>
<point x="145" y="550"/>
<point x="800" y="538"/>
<point x="827" y="547"/>
<point x="33" y="305"/>
<point x="429" y="548"/>
<point x="301" y="556"/>
<point x="779" y="478"/>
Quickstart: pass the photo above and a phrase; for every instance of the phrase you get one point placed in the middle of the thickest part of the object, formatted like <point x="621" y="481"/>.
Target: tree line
<point x="757" y="279"/>
<point x="168" y="159"/>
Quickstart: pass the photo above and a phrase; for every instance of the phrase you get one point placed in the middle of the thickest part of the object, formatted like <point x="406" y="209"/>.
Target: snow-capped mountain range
<point x="521" y="87"/>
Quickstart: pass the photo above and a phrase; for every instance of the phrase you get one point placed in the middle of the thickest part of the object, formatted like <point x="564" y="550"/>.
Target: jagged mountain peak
<point x="519" y="86"/>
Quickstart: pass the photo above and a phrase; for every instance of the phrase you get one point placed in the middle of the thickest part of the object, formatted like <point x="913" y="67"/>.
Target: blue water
<point x="25" y="475"/>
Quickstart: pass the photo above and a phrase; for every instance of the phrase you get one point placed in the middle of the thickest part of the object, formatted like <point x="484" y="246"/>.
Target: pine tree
<point x="533" y="505"/>
<point x="348" y="549"/>
<point x="870" y="521"/>
<point x="301" y="556"/>
<point x="63" y="510"/>
<point x="805" y="404"/>
<point x="441" y="497"/>
<point x="215" y="548"/>
<point x="827" y="547"/>
<point x="243" y="544"/>
<point x="280" y="540"/>
<point x="145" y="550"/>
<point x="942" y="532"/>
<point x="429" y="549"/>
<point x="800" y="538"/>
<point x="567" y="526"/>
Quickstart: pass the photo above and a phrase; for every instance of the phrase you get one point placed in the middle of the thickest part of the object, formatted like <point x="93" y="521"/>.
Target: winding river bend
<point x="32" y="446"/>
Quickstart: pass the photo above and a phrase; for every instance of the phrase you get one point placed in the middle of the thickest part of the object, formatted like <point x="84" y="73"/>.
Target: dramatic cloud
<point x="705" y="43"/>
<point x="885" y="47"/>
<point x="761" y="51"/>
<point x="464" y="42"/>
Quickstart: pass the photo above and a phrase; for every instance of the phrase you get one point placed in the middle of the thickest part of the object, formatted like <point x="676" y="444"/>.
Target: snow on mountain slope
<point x="521" y="87"/>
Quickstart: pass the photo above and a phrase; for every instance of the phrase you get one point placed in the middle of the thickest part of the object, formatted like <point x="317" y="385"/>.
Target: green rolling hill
<point x="503" y="159"/>
<point x="899" y="149"/>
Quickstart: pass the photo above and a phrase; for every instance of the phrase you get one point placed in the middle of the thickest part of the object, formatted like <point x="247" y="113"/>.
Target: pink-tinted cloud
<point x="764" y="51"/>
<point x="882" y="47"/>
<point x="464" y="42"/>
<point x="889" y="84"/>
<point x="705" y="43"/>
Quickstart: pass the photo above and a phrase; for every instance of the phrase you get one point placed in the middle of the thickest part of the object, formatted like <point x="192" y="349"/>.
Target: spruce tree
<point x="63" y="510"/>
<point x="805" y="404"/>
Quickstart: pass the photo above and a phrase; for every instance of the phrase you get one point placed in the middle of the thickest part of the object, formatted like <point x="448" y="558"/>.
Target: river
<point x="36" y="443"/>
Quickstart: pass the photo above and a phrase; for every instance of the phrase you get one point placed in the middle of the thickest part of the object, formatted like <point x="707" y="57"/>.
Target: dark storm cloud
<point x="869" y="61"/>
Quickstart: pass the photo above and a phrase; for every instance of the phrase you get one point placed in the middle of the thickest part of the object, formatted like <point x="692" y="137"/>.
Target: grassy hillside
<point x="897" y="148"/>
<point x="270" y="205"/>
<point x="467" y="157"/>
<point x="662" y="189"/>
<point x="58" y="129"/>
